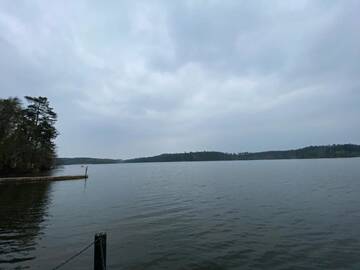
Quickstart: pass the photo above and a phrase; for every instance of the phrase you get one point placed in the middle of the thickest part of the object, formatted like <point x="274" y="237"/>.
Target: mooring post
<point x="86" y="168"/>
<point x="100" y="251"/>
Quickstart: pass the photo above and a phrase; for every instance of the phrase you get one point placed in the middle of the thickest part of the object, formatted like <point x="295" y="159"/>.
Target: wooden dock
<point x="43" y="178"/>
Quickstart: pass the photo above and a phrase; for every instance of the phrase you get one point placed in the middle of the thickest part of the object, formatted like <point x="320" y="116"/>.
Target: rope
<point x="74" y="256"/>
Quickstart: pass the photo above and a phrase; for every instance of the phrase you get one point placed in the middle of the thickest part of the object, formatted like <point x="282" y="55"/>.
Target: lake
<point x="279" y="214"/>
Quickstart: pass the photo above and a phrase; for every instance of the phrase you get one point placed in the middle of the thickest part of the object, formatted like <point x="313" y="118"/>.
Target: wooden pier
<point x="43" y="178"/>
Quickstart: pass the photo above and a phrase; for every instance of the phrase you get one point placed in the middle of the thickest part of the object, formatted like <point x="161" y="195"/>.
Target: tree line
<point x="322" y="151"/>
<point x="27" y="135"/>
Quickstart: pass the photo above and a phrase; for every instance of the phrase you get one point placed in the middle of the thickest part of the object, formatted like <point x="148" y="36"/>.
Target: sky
<point x="139" y="78"/>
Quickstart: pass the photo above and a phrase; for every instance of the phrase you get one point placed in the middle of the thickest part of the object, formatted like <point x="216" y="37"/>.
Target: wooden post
<point x="100" y="251"/>
<point x="86" y="168"/>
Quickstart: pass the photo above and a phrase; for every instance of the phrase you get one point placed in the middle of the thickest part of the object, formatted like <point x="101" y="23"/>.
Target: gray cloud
<point x="139" y="78"/>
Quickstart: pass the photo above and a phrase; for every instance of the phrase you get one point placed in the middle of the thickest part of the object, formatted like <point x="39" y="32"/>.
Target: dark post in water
<point x="100" y="251"/>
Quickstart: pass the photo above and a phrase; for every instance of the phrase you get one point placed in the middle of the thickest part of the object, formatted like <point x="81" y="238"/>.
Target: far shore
<point x="309" y="152"/>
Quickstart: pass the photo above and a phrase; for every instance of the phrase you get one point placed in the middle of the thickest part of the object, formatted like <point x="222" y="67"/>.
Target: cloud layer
<point x="133" y="78"/>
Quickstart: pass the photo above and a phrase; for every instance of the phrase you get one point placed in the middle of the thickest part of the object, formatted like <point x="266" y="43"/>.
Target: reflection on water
<point x="23" y="210"/>
<point x="298" y="214"/>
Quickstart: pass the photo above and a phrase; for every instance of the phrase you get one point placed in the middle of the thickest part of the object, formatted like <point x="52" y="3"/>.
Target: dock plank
<point x="43" y="178"/>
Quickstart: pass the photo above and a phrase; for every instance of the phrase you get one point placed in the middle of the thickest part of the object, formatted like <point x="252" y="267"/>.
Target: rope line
<point x="74" y="256"/>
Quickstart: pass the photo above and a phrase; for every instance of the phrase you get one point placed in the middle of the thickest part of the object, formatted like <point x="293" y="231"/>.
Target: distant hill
<point x="325" y="151"/>
<point x="86" y="160"/>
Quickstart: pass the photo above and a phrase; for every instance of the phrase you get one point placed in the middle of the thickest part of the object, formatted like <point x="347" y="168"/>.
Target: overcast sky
<point x="137" y="78"/>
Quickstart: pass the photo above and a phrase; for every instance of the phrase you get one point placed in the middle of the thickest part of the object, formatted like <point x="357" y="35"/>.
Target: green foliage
<point x="26" y="135"/>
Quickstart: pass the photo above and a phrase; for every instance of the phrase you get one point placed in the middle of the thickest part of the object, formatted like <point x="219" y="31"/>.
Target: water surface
<point x="286" y="214"/>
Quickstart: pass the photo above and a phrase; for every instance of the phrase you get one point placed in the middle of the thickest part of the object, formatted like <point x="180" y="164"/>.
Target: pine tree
<point x="27" y="135"/>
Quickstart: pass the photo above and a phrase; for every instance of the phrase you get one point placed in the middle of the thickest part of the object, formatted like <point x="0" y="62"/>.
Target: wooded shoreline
<point x="309" y="152"/>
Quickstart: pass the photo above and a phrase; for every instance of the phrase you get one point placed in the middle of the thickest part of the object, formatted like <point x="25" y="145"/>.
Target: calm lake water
<point x="289" y="214"/>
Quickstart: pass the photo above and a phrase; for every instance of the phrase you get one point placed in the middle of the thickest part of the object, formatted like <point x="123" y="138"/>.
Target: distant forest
<point x="326" y="151"/>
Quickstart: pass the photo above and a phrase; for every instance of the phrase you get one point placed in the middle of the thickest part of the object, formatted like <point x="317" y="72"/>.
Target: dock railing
<point x="99" y="244"/>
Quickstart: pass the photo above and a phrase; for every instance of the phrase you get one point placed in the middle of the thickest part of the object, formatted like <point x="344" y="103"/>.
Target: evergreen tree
<point x="10" y="120"/>
<point x="40" y="119"/>
<point x="27" y="135"/>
